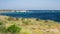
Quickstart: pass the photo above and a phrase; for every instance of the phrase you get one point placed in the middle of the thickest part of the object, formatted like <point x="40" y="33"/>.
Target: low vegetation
<point x="11" y="25"/>
<point x="13" y="29"/>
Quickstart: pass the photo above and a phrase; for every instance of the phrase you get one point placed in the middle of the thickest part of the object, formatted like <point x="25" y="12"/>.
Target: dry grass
<point x="31" y="25"/>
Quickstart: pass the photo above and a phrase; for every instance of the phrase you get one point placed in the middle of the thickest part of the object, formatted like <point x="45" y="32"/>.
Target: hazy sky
<point x="30" y="4"/>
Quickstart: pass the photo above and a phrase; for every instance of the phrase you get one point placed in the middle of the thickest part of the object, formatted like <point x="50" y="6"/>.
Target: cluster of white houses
<point x="12" y="10"/>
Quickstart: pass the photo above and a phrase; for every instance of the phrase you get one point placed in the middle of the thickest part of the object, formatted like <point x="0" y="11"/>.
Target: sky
<point x="29" y="4"/>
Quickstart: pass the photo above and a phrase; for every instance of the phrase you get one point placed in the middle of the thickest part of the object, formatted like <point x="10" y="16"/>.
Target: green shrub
<point x="0" y="23"/>
<point x="13" y="29"/>
<point x="37" y="19"/>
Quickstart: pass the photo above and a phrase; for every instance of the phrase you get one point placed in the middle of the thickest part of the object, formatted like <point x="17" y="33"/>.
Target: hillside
<point x="11" y="25"/>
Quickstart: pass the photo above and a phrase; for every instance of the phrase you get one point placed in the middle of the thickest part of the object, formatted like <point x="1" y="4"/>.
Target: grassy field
<point x="11" y="25"/>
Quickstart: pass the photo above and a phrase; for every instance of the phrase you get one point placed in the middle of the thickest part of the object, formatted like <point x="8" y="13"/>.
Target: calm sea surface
<point x="42" y="14"/>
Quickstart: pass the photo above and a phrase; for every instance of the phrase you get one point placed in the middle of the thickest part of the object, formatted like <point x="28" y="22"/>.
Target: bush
<point x="0" y="23"/>
<point x="13" y="29"/>
<point x="37" y="19"/>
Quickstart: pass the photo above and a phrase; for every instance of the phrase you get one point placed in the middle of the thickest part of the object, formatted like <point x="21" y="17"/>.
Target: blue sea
<point x="40" y="14"/>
